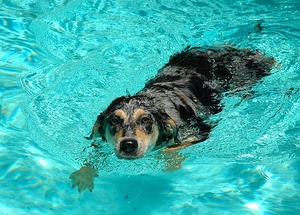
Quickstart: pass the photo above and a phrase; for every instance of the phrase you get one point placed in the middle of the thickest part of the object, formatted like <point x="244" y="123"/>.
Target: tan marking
<point x="172" y="122"/>
<point x="95" y="127"/>
<point x="113" y="140"/>
<point x="108" y="136"/>
<point x="142" y="136"/>
<point x="120" y="113"/>
<point x="278" y="66"/>
<point x="171" y="129"/>
<point x="147" y="141"/>
<point x="177" y="147"/>
<point x="138" y="113"/>
<point x="95" y="131"/>
<point x="154" y="138"/>
<point x="118" y="135"/>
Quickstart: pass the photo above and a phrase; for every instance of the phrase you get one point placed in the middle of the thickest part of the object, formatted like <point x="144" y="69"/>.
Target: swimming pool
<point x="62" y="62"/>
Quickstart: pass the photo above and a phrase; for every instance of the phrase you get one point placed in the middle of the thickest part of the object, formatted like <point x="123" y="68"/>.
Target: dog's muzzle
<point x="128" y="146"/>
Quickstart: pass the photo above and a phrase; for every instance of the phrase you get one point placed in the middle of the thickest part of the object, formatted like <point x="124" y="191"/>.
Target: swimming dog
<point x="173" y="109"/>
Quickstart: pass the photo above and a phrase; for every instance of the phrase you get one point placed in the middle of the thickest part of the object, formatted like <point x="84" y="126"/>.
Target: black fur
<point x="189" y="88"/>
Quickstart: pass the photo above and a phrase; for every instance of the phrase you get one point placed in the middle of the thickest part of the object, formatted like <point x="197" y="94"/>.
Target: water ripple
<point x="18" y="45"/>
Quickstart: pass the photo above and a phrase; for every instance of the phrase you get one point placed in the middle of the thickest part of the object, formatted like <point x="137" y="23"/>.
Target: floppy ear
<point x="99" y="126"/>
<point x="167" y="126"/>
<point x="170" y="131"/>
<point x="98" y="130"/>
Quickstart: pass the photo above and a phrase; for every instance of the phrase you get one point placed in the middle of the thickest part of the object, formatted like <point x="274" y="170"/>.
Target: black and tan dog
<point x="174" y="107"/>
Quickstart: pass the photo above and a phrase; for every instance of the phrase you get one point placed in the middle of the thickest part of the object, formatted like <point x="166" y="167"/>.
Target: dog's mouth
<point x="129" y="149"/>
<point x="126" y="156"/>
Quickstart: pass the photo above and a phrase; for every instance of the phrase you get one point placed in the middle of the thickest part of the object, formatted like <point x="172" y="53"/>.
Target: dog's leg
<point x="170" y="156"/>
<point x="177" y="147"/>
<point x="186" y="142"/>
<point x="84" y="178"/>
<point x="172" y="160"/>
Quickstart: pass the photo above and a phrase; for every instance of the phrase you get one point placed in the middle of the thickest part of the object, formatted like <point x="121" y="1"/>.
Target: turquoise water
<point x="62" y="62"/>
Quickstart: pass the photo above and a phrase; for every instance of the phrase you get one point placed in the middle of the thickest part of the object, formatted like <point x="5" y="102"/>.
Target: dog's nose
<point x="128" y="145"/>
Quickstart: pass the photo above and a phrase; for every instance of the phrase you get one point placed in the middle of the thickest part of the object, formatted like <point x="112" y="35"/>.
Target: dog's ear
<point x="170" y="131"/>
<point x="167" y="126"/>
<point x="99" y="126"/>
<point x="98" y="130"/>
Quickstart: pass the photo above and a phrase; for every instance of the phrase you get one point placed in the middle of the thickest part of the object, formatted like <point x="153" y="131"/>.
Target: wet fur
<point x="180" y="99"/>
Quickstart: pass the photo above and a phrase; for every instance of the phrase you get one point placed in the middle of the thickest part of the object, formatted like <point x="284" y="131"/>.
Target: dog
<point x="173" y="110"/>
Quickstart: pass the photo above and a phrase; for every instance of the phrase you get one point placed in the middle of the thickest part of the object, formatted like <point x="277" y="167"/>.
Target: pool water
<point x="63" y="61"/>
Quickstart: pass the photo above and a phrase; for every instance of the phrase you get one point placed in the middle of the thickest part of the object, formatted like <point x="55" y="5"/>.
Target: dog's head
<point x="133" y="127"/>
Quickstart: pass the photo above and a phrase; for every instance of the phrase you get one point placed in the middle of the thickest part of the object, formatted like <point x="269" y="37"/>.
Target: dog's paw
<point x="172" y="160"/>
<point x="84" y="178"/>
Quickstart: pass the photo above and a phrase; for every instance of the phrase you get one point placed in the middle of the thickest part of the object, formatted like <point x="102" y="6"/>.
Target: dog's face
<point x="132" y="129"/>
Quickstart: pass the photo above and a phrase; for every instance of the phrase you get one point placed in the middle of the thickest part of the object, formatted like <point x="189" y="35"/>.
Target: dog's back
<point x="189" y="88"/>
<point x="223" y="67"/>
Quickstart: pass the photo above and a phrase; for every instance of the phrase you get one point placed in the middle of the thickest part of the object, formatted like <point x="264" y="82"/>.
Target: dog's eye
<point x="145" y="120"/>
<point x="114" y="122"/>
